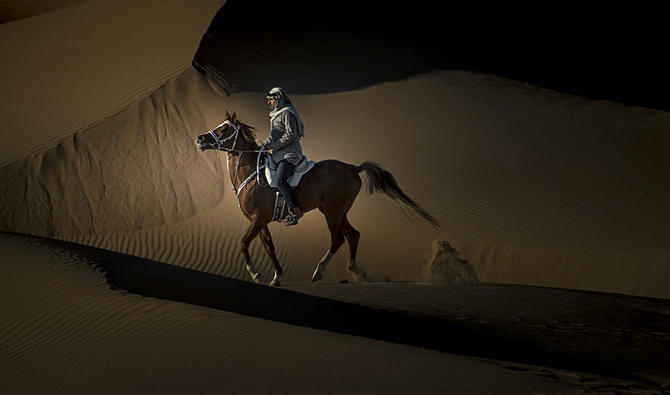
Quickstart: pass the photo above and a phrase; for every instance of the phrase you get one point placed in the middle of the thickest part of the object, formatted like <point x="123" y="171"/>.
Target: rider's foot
<point x="294" y="216"/>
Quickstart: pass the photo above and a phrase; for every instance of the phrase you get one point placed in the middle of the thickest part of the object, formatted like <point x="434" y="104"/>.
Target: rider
<point x="286" y="128"/>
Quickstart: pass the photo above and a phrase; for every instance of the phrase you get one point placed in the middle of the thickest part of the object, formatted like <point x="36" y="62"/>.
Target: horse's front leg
<point x="255" y="227"/>
<point x="266" y="238"/>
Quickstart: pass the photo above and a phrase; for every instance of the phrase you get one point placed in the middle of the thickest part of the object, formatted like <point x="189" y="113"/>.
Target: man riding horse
<point x="286" y="129"/>
<point x="331" y="186"/>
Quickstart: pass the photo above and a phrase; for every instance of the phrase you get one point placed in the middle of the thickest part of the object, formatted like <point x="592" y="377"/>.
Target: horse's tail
<point x="380" y="180"/>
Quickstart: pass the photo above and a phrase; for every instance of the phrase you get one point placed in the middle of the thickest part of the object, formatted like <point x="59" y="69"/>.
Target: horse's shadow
<point x="433" y="331"/>
<point x="154" y="279"/>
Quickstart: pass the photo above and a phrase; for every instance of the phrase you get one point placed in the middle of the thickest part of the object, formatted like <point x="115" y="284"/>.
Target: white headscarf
<point x="283" y="103"/>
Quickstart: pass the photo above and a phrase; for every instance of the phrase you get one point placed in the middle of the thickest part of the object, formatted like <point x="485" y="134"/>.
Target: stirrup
<point x="291" y="220"/>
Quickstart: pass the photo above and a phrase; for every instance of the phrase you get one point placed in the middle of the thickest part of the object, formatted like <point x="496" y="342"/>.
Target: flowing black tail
<point x="380" y="180"/>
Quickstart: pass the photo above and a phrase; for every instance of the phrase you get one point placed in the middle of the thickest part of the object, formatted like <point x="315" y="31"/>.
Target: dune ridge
<point x="11" y="10"/>
<point x="88" y="62"/>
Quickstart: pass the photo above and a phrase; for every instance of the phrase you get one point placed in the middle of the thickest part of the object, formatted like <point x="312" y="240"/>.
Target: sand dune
<point x="100" y="111"/>
<point x="63" y="324"/>
<point x="11" y="10"/>
<point x="534" y="187"/>
<point x="68" y="69"/>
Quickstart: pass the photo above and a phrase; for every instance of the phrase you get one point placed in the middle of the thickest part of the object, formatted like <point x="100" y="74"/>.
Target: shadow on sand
<point x="432" y="331"/>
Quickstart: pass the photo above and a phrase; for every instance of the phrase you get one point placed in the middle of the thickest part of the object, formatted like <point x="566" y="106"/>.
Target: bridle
<point x="218" y="145"/>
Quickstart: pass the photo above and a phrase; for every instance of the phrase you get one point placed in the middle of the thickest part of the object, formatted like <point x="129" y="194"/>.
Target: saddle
<point x="300" y="170"/>
<point x="280" y="210"/>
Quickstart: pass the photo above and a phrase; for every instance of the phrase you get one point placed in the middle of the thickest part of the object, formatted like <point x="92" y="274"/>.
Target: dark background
<point x="312" y="47"/>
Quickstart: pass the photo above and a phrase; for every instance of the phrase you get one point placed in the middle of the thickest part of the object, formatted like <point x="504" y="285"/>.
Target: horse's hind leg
<point x="336" y="241"/>
<point x="251" y="234"/>
<point x="352" y="236"/>
<point x="266" y="238"/>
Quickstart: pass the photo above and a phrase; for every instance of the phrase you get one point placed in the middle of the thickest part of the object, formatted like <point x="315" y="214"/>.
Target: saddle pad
<point x="302" y="165"/>
<point x="293" y="181"/>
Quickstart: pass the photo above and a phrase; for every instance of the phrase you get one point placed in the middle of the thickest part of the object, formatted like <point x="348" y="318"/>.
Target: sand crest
<point x="68" y="69"/>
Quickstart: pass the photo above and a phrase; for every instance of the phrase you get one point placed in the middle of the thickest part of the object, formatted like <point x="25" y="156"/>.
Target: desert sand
<point x="70" y="68"/>
<point x="11" y="10"/>
<point x="558" y="203"/>
<point x="532" y="187"/>
<point x="65" y="330"/>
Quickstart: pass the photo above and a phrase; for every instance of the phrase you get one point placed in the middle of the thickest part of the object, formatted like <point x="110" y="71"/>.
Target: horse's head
<point x="222" y="137"/>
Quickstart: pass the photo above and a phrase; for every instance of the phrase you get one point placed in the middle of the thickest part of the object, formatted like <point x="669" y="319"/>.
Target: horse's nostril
<point x="200" y="139"/>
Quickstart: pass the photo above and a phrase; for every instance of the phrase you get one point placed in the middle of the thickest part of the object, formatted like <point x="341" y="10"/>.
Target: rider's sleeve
<point x="291" y="132"/>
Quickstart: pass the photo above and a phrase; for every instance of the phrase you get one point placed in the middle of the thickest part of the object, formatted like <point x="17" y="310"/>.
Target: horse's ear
<point x="227" y="115"/>
<point x="234" y="117"/>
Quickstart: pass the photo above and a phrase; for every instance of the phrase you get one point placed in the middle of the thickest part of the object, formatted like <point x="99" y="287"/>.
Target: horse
<point x="330" y="186"/>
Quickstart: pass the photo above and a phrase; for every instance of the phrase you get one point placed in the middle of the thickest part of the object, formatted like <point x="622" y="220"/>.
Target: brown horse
<point x="331" y="186"/>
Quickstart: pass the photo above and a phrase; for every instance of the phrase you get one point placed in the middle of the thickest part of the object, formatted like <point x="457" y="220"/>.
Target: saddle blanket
<point x="271" y="171"/>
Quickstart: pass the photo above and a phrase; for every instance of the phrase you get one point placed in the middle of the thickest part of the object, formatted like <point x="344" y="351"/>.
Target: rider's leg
<point x="284" y="171"/>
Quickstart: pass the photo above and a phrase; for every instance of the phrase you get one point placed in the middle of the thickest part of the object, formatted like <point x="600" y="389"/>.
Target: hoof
<point x="317" y="275"/>
<point x="358" y="274"/>
<point x="352" y="266"/>
<point x="257" y="278"/>
<point x="276" y="281"/>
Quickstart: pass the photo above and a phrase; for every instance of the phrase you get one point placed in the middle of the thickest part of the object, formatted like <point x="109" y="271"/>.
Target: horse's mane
<point x="248" y="133"/>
